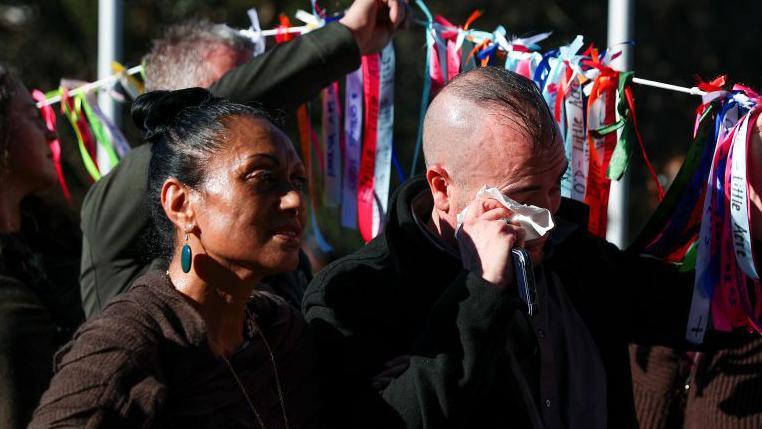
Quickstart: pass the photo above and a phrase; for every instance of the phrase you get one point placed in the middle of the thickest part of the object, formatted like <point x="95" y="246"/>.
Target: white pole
<point x="620" y="29"/>
<point x="109" y="50"/>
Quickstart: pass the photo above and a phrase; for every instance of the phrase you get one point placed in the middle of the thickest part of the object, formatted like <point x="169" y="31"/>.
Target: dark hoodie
<point x="408" y="338"/>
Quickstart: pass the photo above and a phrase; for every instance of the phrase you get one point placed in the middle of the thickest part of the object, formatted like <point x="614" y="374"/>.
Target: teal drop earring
<point x="186" y="256"/>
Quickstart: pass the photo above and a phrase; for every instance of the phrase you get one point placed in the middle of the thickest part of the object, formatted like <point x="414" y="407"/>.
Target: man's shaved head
<point x="491" y="127"/>
<point x="480" y="95"/>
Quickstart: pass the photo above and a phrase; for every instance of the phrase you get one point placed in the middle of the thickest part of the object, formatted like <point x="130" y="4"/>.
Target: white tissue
<point x="536" y="221"/>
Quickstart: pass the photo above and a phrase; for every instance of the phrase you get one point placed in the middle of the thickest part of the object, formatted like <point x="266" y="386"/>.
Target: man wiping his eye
<point x="425" y="328"/>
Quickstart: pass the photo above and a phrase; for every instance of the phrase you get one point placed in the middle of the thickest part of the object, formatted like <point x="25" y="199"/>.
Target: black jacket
<point x="114" y="216"/>
<point x="408" y="338"/>
<point x="39" y="306"/>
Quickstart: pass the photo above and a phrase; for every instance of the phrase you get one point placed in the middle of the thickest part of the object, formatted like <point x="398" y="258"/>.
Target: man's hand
<point x="485" y="241"/>
<point x="373" y="22"/>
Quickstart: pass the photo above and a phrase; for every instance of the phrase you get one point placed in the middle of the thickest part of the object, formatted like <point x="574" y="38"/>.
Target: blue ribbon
<point x="542" y="71"/>
<point x="489" y="51"/>
<point x="319" y="239"/>
<point x="397" y="166"/>
<point x="675" y="231"/>
<point x="714" y="269"/>
<point x="426" y="84"/>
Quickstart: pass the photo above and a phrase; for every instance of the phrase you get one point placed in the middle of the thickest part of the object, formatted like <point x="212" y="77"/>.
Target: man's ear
<point x="176" y="201"/>
<point x="440" y="182"/>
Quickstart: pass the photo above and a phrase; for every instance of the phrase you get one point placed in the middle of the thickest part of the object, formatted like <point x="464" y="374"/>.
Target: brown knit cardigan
<point x="145" y="362"/>
<point x="724" y="386"/>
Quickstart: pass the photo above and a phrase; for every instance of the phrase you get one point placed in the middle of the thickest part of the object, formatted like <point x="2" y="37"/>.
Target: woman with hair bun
<point x="196" y="344"/>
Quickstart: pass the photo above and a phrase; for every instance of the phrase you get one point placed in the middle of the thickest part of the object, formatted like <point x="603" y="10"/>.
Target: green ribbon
<point x="620" y="159"/>
<point x="689" y="261"/>
<point x="98" y="129"/>
<point x="73" y="116"/>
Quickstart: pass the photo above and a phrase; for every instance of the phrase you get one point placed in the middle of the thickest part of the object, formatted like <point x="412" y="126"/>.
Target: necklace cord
<point x="277" y="382"/>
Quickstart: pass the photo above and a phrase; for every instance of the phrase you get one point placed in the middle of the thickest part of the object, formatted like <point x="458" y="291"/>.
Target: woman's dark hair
<point x="7" y="92"/>
<point x="185" y="129"/>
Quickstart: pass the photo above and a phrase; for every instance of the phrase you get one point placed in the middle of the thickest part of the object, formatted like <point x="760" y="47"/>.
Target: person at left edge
<point x="39" y="305"/>
<point x="114" y="220"/>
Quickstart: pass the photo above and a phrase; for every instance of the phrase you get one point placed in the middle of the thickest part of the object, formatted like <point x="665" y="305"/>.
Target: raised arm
<point x="293" y="73"/>
<point x="416" y="349"/>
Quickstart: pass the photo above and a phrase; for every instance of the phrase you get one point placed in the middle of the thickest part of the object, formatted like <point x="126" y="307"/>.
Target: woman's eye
<point x="263" y="175"/>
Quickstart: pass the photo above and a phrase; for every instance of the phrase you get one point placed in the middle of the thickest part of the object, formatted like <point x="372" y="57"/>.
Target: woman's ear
<point x="439" y="181"/>
<point x="177" y="204"/>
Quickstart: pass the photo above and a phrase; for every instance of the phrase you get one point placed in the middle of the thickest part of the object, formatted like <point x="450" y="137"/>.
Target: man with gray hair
<point x="194" y="53"/>
<point x="425" y="327"/>
<point x="114" y="220"/>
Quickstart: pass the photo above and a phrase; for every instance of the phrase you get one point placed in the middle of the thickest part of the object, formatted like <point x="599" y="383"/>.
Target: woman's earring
<point x="186" y="256"/>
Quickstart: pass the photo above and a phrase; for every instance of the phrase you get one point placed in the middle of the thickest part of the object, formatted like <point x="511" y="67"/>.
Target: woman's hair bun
<point x="155" y="112"/>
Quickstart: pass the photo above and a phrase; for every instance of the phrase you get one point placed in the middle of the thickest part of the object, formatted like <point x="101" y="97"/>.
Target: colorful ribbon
<point x="427" y="82"/>
<point x="672" y="228"/>
<point x="49" y="116"/>
<point x="375" y="163"/>
<point x="353" y="132"/>
<point x="116" y="138"/>
<point x="600" y="112"/>
<point x="307" y="140"/>
<point x="385" y="143"/>
<point x="72" y="109"/>
<point x="727" y="288"/>
<point x="98" y="130"/>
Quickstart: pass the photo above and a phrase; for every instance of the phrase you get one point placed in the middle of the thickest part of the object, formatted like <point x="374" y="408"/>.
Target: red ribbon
<point x="715" y="84"/>
<point x="598" y="185"/>
<point x="471" y="18"/>
<point x="55" y="146"/>
<point x="732" y="304"/>
<point x="453" y="53"/>
<point x="282" y="34"/>
<point x="631" y="103"/>
<point x="712" y="86"/>
<point x="561" y="91"/>
<point x="82" y="125"/>
<point x="365" y="182"/>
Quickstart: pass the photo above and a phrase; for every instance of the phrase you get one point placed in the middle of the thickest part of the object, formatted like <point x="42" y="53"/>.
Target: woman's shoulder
<point x="134" y="325"/>
<point x="115" y="364"/>
<point x="152" y="308"/>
